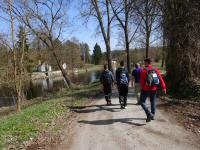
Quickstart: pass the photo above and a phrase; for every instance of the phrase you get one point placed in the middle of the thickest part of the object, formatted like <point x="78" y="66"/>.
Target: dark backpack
<point x="152" y="78"/>
<point x="123" y="80"/>
<point x="107" y="78"/>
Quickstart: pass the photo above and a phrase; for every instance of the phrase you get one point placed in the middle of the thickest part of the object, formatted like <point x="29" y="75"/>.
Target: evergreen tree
<point x="22" y="36"/>
<point x="97" y="54"/>
<point x="87" y="53"/>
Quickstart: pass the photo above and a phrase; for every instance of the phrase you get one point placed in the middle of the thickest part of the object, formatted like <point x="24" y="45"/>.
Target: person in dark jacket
<point x="122" y="79"/>
<point x="107" y="80"/>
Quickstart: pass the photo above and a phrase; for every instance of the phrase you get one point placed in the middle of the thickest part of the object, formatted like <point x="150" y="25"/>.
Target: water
<point x="42" y="87"/>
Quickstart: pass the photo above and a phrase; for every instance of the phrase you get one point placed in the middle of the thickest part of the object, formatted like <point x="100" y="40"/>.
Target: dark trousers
<point x="152" y="95"/>
<point x="107" y="91"/>
<point x="123" y="92"/>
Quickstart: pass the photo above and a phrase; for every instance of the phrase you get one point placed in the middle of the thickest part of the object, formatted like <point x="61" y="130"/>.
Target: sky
<point x="77" y="28"/>
<point x="87" y="33"/>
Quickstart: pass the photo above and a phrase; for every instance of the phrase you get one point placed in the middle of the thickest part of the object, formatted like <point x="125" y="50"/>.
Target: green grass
<point x="27" y="124"/>
<point x="158" y="65"/>
<point x="89" y="68"/>
<point x="37" y="118"/>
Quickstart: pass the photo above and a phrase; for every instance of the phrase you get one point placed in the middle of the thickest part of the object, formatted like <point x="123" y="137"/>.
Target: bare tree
<point x="123" y="11"/>
<point x="43" y="18"/>
<point x="17" y="57"/>
<point x="100" y="9"/>
<point x="149" y="12"/>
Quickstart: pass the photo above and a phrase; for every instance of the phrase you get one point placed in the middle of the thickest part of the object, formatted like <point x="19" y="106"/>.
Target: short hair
<point x="137" y="65"/>
<point x="105" y="66"/>
<point x="122" y="63"/>
<point x="147" y="60"/>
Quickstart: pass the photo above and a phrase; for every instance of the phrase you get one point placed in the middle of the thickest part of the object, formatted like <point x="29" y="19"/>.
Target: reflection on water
<point x="42" y="87"/>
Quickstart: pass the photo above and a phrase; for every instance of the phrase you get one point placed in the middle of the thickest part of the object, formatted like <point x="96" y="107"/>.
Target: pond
<point x="42" y="87"/>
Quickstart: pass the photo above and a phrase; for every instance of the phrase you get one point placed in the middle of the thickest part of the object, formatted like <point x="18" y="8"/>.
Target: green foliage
<point x="85" y="53"/>
<point x="30" y="122"/>
<point x="71" y="54"/>
<point x="35" y="119"/>
<point x="97" y="54"/>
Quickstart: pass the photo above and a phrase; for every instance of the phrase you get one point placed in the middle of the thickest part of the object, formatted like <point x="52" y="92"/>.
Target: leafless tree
<point x="149" y="12"/>
<point x="17" y="56"/>
<point x="44" y="18"/>
<point x="124" y="13"/>
<point x="100" y="10"/>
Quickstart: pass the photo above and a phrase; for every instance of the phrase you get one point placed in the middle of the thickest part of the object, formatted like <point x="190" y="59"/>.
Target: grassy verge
<point x="88" y="68"/>
<point x="35" y="119"/>
<point x="158" y="65"/>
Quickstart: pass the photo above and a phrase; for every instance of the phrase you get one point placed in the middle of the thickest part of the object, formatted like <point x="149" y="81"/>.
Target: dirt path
<point x="100" y="127"/>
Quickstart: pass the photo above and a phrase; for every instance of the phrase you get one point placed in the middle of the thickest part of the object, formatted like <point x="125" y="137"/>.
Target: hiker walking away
<point x="150" y="79"/>
<point x="122" y="79"/>
<point x="135" y="82"/>
<point x="107" y="79"/>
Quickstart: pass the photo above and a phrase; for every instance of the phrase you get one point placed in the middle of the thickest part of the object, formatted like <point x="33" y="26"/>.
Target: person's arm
<point x="161" y="81"/>
<point x="113" y="79"/>
<point x="127" y="75"/>
<point x="116" y="75"/>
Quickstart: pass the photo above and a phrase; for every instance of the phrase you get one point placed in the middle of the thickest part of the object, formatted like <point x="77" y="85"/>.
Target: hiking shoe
<point x="107" y="103"/>
<point x="149" y="118"/>
<point x="138" y="103"/>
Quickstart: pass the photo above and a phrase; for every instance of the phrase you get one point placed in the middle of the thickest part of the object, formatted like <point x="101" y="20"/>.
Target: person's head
<point x="122" y="63"/>
<point x="105" y="67"/>
<point x="147" y="62"/>
<point x="137" y="65"/>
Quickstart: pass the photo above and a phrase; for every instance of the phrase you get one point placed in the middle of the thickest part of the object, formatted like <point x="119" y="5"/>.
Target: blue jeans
<point x="152" y="95"/>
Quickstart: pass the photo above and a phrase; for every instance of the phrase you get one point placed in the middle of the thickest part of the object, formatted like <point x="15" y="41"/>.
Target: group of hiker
<point x="145" y="81"/>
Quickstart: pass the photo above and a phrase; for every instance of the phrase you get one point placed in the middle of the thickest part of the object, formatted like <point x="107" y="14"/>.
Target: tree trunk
<point x="64" y="73"/>
<point x="183" y="51"/>
<point x="106" y="39"/>
<point x="109" y="57"/>
<point x="163" y="53"/>
<point x="127" y="50"/>
<point x="147" y="45"/>
<point x="108" y="49"/>
<point x="17" y="82"/>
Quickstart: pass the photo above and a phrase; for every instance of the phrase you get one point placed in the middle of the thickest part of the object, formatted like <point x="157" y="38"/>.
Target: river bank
<point x="18" y="130"/>
<point x="58" y="73"/>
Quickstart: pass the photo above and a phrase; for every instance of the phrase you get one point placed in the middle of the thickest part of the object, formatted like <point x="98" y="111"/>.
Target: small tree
<point x="87" y="53"/>
<point x="148" y="12"/>
<point x="100" y="10"/>
<point x="72" y="54"/>
<point x="97" y="54"/>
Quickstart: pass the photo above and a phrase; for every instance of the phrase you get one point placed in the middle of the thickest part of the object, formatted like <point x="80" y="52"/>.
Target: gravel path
<point x="100" y="127"/>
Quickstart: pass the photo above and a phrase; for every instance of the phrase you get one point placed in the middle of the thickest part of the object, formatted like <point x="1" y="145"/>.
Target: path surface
<point x="100" y="127"/>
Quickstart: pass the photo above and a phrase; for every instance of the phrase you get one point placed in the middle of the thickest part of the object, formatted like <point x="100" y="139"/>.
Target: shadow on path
<point x="94" y="108"/>
<point x="112" y="121"/>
